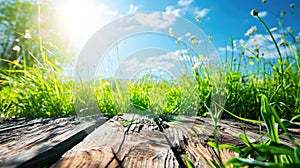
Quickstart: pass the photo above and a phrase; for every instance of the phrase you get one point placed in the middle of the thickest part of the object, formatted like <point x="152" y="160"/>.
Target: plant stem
<point x="277" y="48"/>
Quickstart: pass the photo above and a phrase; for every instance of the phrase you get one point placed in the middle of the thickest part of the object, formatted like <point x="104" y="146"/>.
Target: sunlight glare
<point x="78" y="19"/>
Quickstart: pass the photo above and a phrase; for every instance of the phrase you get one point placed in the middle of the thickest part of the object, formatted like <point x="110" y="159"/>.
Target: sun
<point x="78" y="18"/>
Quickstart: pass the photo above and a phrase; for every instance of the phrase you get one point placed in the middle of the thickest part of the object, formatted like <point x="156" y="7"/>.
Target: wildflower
<point x="259" y="81"/>
<point x="17" y="48"/>
<point x="171" y="32"/>
<point x="196" y="65"/>
<point x="251" y="63"/>
<point x="200" y="56"/>
<point x="106" y="84"/>
<point x="17" y="40"/>
<point x="192" y="37"/>
<point x="179" y="39"/>
<point x="273" y="29"/>
<point x="281" y="42"/>
<point x="194" y="42"/>
<point x="16" y="61"/>
<point x="292" y="5"/>
<point x="251" y="31"/>
<point x="198" y="19"/>
<point x="254" y="12"/>
<point x="188" y="34"/>
<point x="27" y="34"/>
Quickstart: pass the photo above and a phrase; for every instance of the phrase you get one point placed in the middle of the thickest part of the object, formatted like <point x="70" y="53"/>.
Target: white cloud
<point x="132" y="9"/>
<point x="262" y="14"/>
<point x="201" y="13"/>
<point x="263" y="42"/>
<point x="104" y="10"/>
<point x="168" y="61"/>
<point x="155" y="20"/>
<point x="181" y="8"/>
<point x="227" y="48"/>
<point x="175" y="11"/>
<point x="184" y="2"/>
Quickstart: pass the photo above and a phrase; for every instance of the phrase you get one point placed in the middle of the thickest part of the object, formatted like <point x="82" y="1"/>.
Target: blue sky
<point x="219" y="19"/>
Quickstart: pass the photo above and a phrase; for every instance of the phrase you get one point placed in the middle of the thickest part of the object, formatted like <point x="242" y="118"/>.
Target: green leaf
<point x="187" y="161"/>
<point x="212" y="144"/>
<point x="231" y="147"/>
<point x="297" y="154"/>
<point x="244" y="139"/>
<point x="215" y="163"/>
<point x="275" y="149"/>
<point x="250" y="162"/>
<point x="125" y="123"/>
<point x="48" y="113"/>
<point x="267" y="114"/>
<point x="295" y="117"/>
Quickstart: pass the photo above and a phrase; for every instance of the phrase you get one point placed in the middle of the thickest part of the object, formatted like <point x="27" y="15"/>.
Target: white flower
<point x="251" y="31"/>
<point x="281" y="42"/>
<point x="27" y="34"/>
<point x="17" y="48"/>
<point x="273" y="29"/>
<point x="17" y="40"/>
<point x="196" y="65"/>
<point x="106" y="84"/>
<point x="188" y="34"/>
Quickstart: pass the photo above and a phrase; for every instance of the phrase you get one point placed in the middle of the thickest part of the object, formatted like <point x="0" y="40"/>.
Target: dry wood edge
<point x="9" y="128"/>
<point x="52" y="155"/>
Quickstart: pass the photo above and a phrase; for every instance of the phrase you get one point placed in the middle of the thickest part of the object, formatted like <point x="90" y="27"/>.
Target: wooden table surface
<point x="127" y="140"/>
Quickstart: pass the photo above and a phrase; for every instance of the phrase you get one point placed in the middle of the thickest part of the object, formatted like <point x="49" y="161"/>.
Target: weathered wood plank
<point x="145" y="142"/>
<point x="24" y="144"/>
<point x="142" y="144"/>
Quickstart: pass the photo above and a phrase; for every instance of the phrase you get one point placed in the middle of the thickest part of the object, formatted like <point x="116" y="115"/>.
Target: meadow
<point x="268" y="92"/>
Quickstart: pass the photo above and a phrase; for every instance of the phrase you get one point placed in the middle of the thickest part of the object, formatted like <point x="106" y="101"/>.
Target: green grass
<point x="38" y="91"/>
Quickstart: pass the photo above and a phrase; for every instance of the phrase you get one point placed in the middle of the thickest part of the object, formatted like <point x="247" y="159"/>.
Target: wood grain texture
<point x="142" y="144"/>
<point x="124" y="141"/>
<point x="29" y="139"/>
